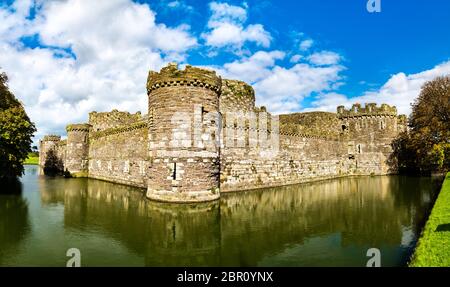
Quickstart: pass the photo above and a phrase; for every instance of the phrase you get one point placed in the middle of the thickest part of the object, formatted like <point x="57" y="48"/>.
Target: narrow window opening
<point x="174" y="175"/>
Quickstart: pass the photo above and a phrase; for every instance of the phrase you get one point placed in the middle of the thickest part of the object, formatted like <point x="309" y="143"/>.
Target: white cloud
<point x="226" y="28"/>
<point x="306" y="44"/>
<point x="180" y="5"/>
<point x="285" y="88"/>
<point x="278" y="88"/>
<point x="223" y="12"/>
<point x="324" y="58"/>
<point x="99" y="26"/>
<point x="115" y="43"/>
<point x="400" y="90"/>
<point x="252" y="69"/>
<point x="14" y="23"/>
<point x="296" y="58"/>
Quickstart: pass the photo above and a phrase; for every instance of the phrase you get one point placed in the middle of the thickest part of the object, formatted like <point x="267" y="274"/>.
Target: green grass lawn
<point x="32" y="159"/>
<point x="433" y="248"/>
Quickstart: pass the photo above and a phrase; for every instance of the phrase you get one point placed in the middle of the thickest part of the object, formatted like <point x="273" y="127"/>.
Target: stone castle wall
<point x="120" y="154"/>
<point x="322" y="124"/>
<point x="299" y="159"/>
<point x="168" y="151"/>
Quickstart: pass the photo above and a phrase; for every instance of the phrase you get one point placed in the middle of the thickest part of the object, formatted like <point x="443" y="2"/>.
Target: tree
<point x="425" y="148"/>
<point x="53" y="164"/>
<point x="16" y="131"/>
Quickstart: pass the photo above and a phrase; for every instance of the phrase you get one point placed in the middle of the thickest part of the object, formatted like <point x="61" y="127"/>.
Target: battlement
<point x="78" y="127"/>
<point x="370" y="109"/>
<point x="191" y="76"/>
<point x="51" y="138"/>
<point x="106" y="120"/>
<point x="118" y="130"/>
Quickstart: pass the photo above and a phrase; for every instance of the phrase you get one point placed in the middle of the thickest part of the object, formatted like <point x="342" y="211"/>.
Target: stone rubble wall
<point x="120" y="155"/>
<point x="311" y="123"/>
<point x="299" y="159"/>
<point x="61" y="150"/>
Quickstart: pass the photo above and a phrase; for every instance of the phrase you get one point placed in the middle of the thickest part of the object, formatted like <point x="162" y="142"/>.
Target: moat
<point x="326" y="223"/>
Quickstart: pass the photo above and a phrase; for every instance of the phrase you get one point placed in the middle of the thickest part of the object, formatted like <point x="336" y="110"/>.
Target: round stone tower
<point x="77" y="151"/>
<point x="184" y="132"/>
<point x="47" y="144"/>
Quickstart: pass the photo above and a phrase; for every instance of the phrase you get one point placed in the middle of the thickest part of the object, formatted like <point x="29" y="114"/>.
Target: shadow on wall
<point x="53" y="165"/>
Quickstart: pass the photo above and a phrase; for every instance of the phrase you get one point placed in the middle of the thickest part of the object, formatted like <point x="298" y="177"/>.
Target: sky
<point x="67" y="58"/>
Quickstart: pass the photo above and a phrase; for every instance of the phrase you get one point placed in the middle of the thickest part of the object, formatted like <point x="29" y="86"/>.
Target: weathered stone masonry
<point x="167" y="150"/>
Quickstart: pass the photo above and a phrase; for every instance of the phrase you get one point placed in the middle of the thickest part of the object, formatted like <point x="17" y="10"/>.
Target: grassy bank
<point x="32" y="159"/>
<point x="433" y="248"/>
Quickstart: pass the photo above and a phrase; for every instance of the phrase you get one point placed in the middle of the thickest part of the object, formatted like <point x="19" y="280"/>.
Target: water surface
<point x="327" y="223"/>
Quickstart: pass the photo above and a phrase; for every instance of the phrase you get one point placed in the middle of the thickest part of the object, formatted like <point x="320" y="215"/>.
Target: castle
<point x="203" y="135"/>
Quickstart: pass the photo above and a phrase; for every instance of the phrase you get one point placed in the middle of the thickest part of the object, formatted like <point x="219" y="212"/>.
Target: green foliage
<point x="32" y="159"/>
<point x="16" y="131"/>
<point x="433" y="249"/>
<point x="426" y="146"/>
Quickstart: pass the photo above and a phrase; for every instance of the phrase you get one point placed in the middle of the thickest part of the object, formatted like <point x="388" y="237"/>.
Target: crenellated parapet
<point x="171" y="76"/>
<point x="119" y="130"/>
<point x="106" y="120"/>
<point x="370" y="109"/>
<point x="54" y="138"/>
<point x="78" y="128"/>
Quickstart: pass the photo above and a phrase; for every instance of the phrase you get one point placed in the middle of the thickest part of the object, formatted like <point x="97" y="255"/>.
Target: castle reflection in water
<point x="263" y="227"/>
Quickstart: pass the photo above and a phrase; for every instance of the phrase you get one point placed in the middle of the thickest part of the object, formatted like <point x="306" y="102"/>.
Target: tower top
<point x="51" y="138"/>
<point x="190" y="76"/>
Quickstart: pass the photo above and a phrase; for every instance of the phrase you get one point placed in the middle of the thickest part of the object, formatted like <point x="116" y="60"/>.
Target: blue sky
<point x="66" y="58"/>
